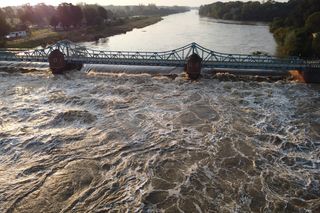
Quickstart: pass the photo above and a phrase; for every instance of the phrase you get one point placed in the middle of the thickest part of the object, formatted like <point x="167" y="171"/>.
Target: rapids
<point x="116" y="142"/>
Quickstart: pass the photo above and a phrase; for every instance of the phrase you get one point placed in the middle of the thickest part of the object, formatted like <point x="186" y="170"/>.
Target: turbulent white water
<point x="96" y="142"/>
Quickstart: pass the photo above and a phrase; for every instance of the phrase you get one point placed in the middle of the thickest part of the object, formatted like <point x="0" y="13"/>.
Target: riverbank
<point x="49" y="36"/>
<point x="295" y="35"/>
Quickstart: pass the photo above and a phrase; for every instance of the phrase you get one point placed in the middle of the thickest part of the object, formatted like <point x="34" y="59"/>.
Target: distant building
<point x="17" y="34"/>
<point x="59" y="27"/>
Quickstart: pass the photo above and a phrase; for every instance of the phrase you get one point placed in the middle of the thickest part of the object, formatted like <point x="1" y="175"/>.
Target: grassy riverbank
<point x="49" y="36"/>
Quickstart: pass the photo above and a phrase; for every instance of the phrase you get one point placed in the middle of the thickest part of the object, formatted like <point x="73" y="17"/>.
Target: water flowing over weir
<point x="97" y="142"/>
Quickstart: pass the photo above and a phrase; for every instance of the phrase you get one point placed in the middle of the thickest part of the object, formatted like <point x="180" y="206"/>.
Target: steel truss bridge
<point x="75" y="54"/>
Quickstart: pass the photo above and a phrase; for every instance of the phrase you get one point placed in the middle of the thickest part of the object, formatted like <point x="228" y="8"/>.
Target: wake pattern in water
<point x="103" y="142"/>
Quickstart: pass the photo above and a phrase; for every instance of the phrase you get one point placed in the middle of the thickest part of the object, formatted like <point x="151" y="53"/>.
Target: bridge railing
<point x="179" y="56"/>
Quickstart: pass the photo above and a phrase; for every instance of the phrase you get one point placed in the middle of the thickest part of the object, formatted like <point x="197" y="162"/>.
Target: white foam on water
<point x="101" y="141"/>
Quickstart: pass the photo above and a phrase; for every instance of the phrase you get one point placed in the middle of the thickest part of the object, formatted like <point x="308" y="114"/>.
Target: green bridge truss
<point x="74" y="53"/>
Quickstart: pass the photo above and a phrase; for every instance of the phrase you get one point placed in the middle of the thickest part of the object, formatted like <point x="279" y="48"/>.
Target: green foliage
<point x="43" y="14"/>
<point x="276" y="24"/>
<point x="102" y="12"/>
<point x="54" y="21"/>
<point x="69" y="15"/>
<point x="280" y="35"/>
<point x="313" y="22"/>
<point x="316" y="45"/>
<point x="298" y="42"/>
<point x="144" y="10"/>
<point x="2" y="43"/>
<point x="244" y="11"/>
<point x="27" y="15"/>
<point x="94" y="14"/>
<point x="291" y="23"/>
<point x="4" y="27"/>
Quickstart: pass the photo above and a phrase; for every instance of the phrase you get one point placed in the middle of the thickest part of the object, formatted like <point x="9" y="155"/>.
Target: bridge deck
<point x="77" y="54"/>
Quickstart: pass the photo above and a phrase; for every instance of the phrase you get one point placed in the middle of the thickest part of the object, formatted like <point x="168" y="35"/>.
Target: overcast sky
<point x="114" y="2"/>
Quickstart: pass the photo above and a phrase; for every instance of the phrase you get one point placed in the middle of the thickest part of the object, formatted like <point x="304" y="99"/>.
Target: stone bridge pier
<point x="193" y="66"/>
<point x="58" y="64"/>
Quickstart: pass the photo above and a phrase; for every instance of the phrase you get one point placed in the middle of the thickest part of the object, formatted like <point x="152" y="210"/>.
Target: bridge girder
<point x="78" y="54"/>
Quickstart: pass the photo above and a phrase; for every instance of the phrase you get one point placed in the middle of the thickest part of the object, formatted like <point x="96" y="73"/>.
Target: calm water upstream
<point x="184" y="28"/>
<point x="118" y="142"/>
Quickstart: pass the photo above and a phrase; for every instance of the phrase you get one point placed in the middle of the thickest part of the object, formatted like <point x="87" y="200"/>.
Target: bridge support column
<point x="58" y="64"/>
<point x="193" y="67"/>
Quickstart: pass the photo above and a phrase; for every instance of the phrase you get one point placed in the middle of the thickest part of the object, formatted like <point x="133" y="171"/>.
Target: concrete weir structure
<point x="65" y="55"/>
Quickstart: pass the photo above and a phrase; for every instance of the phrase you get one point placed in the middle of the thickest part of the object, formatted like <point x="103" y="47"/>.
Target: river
<point x="180" y="29"/>
<point x="118" y="142"/>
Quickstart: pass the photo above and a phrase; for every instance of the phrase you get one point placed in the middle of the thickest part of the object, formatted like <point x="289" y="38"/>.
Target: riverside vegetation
<point x="47" y="24"/>
<point x="295" y="24"/>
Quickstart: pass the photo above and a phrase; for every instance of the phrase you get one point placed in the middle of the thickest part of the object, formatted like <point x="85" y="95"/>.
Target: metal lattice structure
<point x="211" y="59"/>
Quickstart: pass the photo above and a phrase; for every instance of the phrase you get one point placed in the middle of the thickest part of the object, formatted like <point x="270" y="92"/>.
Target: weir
<point x="65" y="55"/>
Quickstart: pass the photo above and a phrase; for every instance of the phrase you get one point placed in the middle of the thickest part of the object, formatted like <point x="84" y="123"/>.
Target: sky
<point x="4" y="3"/>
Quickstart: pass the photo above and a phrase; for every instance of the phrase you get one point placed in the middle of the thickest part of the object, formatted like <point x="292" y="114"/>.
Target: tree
<point x="298" y="42"/>
<point x="90" y="15"/>
<point x="103" y="13"/>
<point x="64" y="15"/>
<point x="26" y="14"/>
<point x="69" y="15"/>
<point x="280" y="34"/>
<point x="4" y="28"/>
<point x="9" y="14"/>
<point x="316" y="45"/>
<point x="313" y="22"/>
<point x="54" y="21"/>
<point x="43" y="13"/>
<point x="94" y="15"/>
<point x="293" y="22"/>
<point x="77" y="15"/>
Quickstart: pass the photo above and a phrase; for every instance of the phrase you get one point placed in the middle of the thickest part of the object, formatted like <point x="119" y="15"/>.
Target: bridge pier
<point x="193" y="67"/>
<point x="66" y="56"/>
<point x="58" y="64"/>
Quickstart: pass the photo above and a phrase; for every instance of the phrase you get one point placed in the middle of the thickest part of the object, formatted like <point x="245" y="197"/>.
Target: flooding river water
<point x="118" y="142"/>
<point x="97" y="142"/>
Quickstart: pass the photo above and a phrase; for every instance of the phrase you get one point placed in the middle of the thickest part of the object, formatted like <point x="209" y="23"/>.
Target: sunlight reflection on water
<point x="181" y="29"/>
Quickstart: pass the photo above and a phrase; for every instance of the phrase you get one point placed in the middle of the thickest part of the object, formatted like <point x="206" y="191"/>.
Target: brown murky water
<point x="90" y="142"/>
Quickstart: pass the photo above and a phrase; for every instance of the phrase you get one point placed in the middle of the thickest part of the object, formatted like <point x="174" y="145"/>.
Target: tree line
<point x="245" y="11"/>
<point x="69" y="15"/>
<point x="145" y="10"/>
<point x="294" y="24"/>
<point x="4" y="26"/>
<point x="65" y="14"/>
